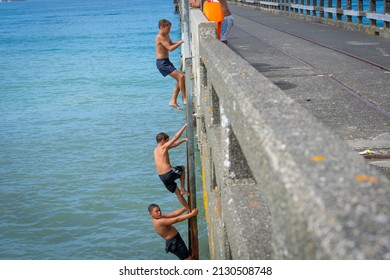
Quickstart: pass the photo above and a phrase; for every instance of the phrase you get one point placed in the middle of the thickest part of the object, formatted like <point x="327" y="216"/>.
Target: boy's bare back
<point x="161" y="159"/>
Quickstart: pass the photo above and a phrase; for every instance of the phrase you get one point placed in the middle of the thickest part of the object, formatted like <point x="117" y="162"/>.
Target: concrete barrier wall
<point x="277" y="184"/>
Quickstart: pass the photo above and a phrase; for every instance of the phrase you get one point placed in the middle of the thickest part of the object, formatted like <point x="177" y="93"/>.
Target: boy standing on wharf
<point x="166" y="172"/>
<point x="227" y="23"/>
<point x="164" y="45"/>
<point x="162" y="224"/>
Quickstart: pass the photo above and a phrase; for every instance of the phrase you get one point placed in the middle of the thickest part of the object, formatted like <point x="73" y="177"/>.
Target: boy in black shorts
<point x="166" y="172"/>
<point x="162" y="224"/>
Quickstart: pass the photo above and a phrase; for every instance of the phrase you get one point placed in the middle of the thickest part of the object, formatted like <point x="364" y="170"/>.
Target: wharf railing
<point x="276" y="183"/>
<point x="369" y="16"/>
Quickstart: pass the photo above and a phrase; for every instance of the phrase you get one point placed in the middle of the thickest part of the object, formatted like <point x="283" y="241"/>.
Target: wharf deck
<point x="341" y="77"/>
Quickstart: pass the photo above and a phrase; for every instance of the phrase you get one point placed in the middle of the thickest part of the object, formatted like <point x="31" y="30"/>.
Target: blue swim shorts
<point x="165" y="66"/>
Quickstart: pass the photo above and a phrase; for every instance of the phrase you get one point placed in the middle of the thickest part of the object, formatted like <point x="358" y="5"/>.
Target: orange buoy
<point x="213" y="12"/>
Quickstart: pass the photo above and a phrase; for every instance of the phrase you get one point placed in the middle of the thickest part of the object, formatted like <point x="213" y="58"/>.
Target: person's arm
<point x="171" y="142"/>
<point x="174" y="220"/>
<point x="168" y="44"/>
<point x="195" y="3"/>
<point x="176" y="213"/>
<point x="177" y="143"/>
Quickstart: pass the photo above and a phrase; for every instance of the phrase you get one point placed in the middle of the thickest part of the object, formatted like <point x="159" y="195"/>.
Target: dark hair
<point x="152" y="206"/>
<point x="161" y="136"/>
<point x="164" y="23"/>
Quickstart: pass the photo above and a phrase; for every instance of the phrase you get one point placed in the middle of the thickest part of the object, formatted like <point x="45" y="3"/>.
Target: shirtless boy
<point x="165" y="66"/>
<point x="228" y="21"/>
<point x="166" y="172"/>
<point x="162" y="224"/>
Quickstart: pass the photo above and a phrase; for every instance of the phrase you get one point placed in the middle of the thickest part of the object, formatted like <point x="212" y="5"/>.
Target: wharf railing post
<point x="338" y="8"/>
<point x="360" y="9"/>
<point x="308" y="4"/>
<point x="373" y="10"/>
<point x="349" y="7"/>
<point x="322" y="14"/>
<point x="330" y="5"/>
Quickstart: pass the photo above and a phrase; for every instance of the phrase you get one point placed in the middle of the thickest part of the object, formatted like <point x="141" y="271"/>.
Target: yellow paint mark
<point x="251" y="195"/>
<point x="366" y="178"/>
<point x="318" y="158"/>
<point x="206" y="208"/>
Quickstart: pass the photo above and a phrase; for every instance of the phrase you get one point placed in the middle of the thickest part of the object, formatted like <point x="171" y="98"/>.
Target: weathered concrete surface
<point x="230" y="211"/>
<point x="304" y="61"/>
<point x="277" y="183"/>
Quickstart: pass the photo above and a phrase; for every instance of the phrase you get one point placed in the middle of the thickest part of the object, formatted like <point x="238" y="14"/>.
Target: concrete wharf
<point x="280" y="115"/>
<point x="342" y="77"/>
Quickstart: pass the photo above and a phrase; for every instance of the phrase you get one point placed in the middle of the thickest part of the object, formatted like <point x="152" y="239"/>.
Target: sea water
<point x="81" y="101"/>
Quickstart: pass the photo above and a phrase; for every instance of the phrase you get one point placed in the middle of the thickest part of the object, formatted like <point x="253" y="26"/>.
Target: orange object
<point x="213" y="12"/>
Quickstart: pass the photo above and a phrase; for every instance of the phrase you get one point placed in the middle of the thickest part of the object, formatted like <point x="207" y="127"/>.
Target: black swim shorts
<point x="165" y="66"/>
<point x="177" y="247"/>
<point x="170" y="177"/>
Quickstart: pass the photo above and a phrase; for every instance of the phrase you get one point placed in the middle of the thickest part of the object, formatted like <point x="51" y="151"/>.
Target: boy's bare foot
<point x="174" y="105"/>
<point x="183" y="192"/>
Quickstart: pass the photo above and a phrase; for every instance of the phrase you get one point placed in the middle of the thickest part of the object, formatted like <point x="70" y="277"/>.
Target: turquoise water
<point x="80" y="104"/>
